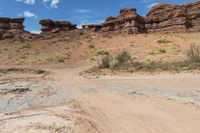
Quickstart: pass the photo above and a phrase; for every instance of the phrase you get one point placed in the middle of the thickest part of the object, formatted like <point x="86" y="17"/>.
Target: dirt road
<point x="108" y="104"/>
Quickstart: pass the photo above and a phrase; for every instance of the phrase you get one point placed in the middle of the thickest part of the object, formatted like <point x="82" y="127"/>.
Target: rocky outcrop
<point x="12" y="27"/>
<point x="162" y="18"/>
<point x="56" y="26"/>
<point x="127" y="22"/>
<point x="193" y="16"/>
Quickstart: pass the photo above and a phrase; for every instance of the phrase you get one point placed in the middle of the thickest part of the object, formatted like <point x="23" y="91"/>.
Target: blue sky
<point x="77" y="11"/>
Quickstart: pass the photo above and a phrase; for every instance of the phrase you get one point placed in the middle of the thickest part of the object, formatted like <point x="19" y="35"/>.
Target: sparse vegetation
<point x="23" y="70"/>
<point x="163" y="41"/>
<point x="159" y="51"/>
<point x="194" y="53"/>
<point x="151" y="67"/>
<point x="91" y="46"/>
<point x="162" y="51"/>
<point x="26" y="46"/>
<point x="106" y="62"/>
<point x="123" y="63"/>
<point x="123" y="57"/>
<point x="102" y="52"/>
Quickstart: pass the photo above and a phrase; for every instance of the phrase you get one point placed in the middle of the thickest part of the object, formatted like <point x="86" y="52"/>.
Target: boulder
<point x="56" y="26"/>
<point x="47" y="22"/>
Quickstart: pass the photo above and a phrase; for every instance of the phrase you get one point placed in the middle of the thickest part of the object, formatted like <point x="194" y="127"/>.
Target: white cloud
<point x="29" y="2"/>
<point x="27" y="14"/>
<point x="35" y="32"/>
<point x="82" y="11"/>
<point x="153" y="4"/>
<point x="53" y="3"/>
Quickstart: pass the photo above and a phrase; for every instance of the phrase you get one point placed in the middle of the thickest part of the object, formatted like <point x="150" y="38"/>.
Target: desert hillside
<point x="128" y="74"/>
<point x="143" y="47"/>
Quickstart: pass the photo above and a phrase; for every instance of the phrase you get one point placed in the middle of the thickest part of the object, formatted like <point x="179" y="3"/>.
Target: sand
<point x="164" y="103"/>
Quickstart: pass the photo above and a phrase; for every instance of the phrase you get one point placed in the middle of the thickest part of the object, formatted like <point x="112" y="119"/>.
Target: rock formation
<point x="193" y="16"/>
<point x="172" y="18"/>
<point x="56" y="26"/>
<point x="162" y="18"/>
<point x="12" y="27"/>
<point x="127" y="22"/>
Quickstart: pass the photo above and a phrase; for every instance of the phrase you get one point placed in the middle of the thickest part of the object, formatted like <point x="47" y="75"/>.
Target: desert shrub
<point x="91" y="46"/>
<point x="40" y="71"/>
<point x="158" y="52"/>
<point x="163" y="41"/>
<point x="194" y="53"/>
<point x="123" y="57"/>
<point x="102" y="52"/>
<point x="106" y="61"/>
<point x="26" y="46"/>
<point x="162" y="51"/>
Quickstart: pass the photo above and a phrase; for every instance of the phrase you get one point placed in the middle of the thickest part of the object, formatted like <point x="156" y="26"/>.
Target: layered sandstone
<point x="162" y="18"/>
<point x="49" y="25"/>
<point x="193" y="16"/>
<point x="173" y="18"/>
<point x="12" y="27"/>
<point x="127" y="22"/>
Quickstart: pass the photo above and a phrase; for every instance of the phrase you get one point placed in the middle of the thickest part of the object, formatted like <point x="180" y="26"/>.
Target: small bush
<point x="40" y="71"/>
<point x="91" y="46"/>
<point x="102" y="52"/>
<point x="162" y="51"/>
<point x="194" y="53"/>
<point x="158" y="52"/>
<point x="163" y="41"/>
<point x="106" y="61"/>
<point x="26" y="46"/>
<point x="123" y="57"/>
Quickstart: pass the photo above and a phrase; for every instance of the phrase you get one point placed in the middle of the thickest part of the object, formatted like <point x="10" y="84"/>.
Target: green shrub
<point x="123" y="57"/>
<point x="163" y="41"/>
<point x="102" y="52"/>
<point x="162" y="51"/>
<point x="91" y="46"/>
<point x="106" y="61"/>
<point x="194" y="53"/>
<point x="158" y="51"/>
<point x="26" y="46"/>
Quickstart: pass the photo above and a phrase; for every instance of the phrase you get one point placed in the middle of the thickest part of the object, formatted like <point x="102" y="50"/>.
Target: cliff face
<point x="166" y="18"/>
<point x="127" y="22"/>
<point x="12" y="28"/>
<point x="9" y="27"/>
<point x="162" y="17"/>
<point x="193" y="16"/>
<point x="172" y="18"/>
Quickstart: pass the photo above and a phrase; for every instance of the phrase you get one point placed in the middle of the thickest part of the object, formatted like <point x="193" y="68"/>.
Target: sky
<point x="77" y="11"/>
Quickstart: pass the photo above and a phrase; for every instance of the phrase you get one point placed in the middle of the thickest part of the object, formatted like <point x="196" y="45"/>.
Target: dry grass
<point x="142" y="48"/>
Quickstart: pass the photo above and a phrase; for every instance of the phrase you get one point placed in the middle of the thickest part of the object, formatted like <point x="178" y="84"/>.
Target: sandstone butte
<point x="162" y="18"/>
